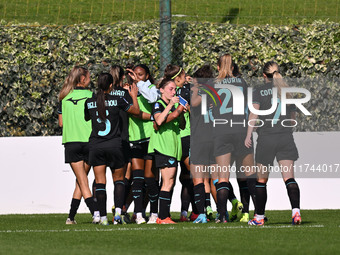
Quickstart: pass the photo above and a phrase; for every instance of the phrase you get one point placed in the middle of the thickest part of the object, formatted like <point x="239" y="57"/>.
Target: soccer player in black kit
<point x="274" y="140"/>
<point x="105" y="139"/>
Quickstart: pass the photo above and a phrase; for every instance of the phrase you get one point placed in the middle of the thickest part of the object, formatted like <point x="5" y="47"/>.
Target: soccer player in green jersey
<point x="76" y="133"/>
<point x="165" y="144"/>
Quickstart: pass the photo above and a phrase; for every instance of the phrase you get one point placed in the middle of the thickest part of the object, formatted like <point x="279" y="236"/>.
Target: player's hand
<point x="174" y="100"/>
<point x="188" y="79"/>
<point x="247" y="141"/>
<point x="132" y="74"/>
<point x="133" y="90"/>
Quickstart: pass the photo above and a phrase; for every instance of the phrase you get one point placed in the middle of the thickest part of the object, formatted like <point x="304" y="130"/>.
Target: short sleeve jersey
<point x="223" y="111"/>
<point x="105" y="131"/>
<point x="124" y="116"/>
<point x="166" y="140"/>
<point x="75" y="128"/>
<point x="140" y="130"/>
<point x="272" y="123"/>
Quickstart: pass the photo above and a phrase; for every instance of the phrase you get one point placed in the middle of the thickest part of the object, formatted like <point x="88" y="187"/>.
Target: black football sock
<point x="231" y="196"/>
<point x="91" y="204"/>
<point x="293" y="192"/>
<point x="245" y="197"/>
<point x="74" y="208"/>
<point x="94" y="190"/>
<point x="127" y="184"/>
<point x="251" y="183"/>
<point x="199" y="197"/>
<point x="164" y="204"/>
<point x="153" y="193"/>
<point x="207" y="200"/>
<point x="119" y="194"/>
<point x="261" y="197"/>
<point x="222" y="190"/>
<point x="186" y="197"/>
<point x="137" y="189"/>
<point x="101" y="198"/>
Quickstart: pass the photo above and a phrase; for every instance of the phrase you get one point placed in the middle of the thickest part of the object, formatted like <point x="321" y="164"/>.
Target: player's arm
<point x="60" y="116"/>
<point x="252" y="120"/>
<point x="86" y="112"/>
<point x="134" y="109"/>
<point x="143" y="116"/>
<point x="161" y="118"/>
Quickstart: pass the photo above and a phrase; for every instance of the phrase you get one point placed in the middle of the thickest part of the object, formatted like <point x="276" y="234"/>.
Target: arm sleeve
<point x="124" y="104"/>
<point x="148" y="90"/>
<point x="157" y="108"/>
<point x="86" y="112"/>
<point x="60" y="107"/>
<point x="256" y="97"/>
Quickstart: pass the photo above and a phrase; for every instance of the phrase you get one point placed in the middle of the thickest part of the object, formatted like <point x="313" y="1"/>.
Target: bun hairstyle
<point x="104" y="82"/>
<point x="117" y="73"/>
<point x="164" y="82"/>
<point x="225" y="64"/>
<point x="147" y="71"/>
<point x="72" y="80"/>
<point x="272" y="71"/>
<point x="172" y="71"/>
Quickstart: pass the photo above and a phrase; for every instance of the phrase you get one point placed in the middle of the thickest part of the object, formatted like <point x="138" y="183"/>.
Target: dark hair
<point x="117" y="73"/>
<point x="164" y="82"/>
<point x="204" y="72"/>
<point x="236" y="70"/>
<point x="172" y="71"/>
<point x="104" y="82"/>
<point x="147" y="71"/>
<point x="128" y="78"/>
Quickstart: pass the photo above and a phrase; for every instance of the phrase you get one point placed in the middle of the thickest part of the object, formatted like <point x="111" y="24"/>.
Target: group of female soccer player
<point x="140" y="130"/>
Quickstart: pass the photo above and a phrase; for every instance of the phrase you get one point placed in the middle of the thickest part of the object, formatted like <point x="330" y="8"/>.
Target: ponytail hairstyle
<point x="104" y="82"/>
<point x="164" y="82"/>
<point x="172" y="71"/>
<point x="72" y="80"/>
<point x="272" y="71"/>
<point x="225" y="64"/>
<point x="117" y="73"/>
<point x="147" y="71"/>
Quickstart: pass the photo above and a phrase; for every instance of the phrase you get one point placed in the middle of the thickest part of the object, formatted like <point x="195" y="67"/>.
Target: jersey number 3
<point x="107" y="125"/>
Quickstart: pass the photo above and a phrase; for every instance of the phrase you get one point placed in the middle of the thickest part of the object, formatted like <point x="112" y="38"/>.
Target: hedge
<point x="34" y="61"/>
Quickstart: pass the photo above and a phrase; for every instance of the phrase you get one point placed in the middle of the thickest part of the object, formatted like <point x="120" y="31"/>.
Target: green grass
<point x="106" y="11"/>
<point x="48" y="234"/>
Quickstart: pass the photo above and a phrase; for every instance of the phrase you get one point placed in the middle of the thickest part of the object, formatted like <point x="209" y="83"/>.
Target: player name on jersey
<point x="93" y="105"/>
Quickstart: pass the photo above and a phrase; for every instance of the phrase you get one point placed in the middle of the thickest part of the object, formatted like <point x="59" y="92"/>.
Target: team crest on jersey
<point x="156" y="105"/>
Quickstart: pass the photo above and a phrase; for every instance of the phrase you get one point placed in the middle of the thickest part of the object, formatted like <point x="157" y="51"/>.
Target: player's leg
<point x="152" y="186"/>
<point x="293" y="189"/>
<point x="118" y="176"/>
<point x="168" y="181"/>
<point x="223" y="185"/>
<point x="138" y="166"/>
<point x="100" y="176"/>
<point x="197" y="172"/>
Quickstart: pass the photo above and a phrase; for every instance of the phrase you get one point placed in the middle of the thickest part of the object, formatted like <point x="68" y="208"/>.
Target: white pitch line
<point x="152" y="229"/>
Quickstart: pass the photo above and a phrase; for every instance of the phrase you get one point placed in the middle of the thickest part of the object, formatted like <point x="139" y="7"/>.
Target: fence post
<point x="164" y="34"/>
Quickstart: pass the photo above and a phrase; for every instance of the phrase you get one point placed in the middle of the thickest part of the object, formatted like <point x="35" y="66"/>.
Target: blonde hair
<point x="272" y="71"/>
<point x="72" y="80"/>
<point x="225" y="64"/>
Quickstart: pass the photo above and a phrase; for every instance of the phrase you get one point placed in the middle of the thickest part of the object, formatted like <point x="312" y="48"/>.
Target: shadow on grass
<point x="231" y="15"/>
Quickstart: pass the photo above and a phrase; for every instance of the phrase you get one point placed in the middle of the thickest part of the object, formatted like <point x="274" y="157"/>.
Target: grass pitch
<point x="251" y="12"/>
<point x="48" y="234"/>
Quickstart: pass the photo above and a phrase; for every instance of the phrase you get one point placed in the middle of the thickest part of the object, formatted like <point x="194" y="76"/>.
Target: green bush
<point x="34" y="61"/>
